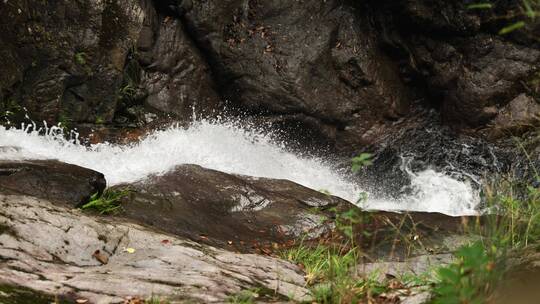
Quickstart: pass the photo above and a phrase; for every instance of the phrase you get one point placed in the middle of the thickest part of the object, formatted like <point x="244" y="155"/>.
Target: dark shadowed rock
<point x="231" y="211"/>
<point x="455" y="54"/>
<point x="49" y="179"/>
<point x="66" y="58"/>
<point x="520" y="115"/>
<point x="98" y="63"/>
<point x="315" y="61"/>
<point x="174" y="75"/>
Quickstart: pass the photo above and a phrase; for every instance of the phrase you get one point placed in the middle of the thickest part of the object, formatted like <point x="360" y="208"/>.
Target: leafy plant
<point x="360" y="161"/>
<point x="244" y="297"/>
<point x="155" y="300"/>
<point x="484" y="5"/>
<point x="468" y="280"/>
<point x="80" y="58"/>
<point x="106" y="203"/>
<point x="528" y="11"/>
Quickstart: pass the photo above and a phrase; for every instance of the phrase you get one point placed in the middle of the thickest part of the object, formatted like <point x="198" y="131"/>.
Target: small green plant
<point x="470" y="279"/>
<point x="248" y="296"/>
<point x="484" y="5"/>
<point x="360" y="161"/>
<point x="106" y="203"/>
<point x="80" y="58"/>
<point x="99" y="120"/>
<point x="155" y="300"/>
<point x="528" y="11"/>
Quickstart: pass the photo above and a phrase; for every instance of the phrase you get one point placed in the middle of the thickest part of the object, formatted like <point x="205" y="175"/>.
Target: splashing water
<point x="229" y="148"/>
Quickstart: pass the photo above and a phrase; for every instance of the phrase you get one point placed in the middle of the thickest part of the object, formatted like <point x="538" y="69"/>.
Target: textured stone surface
<point x="520" y="115"/>
<point x="231" y="211"/>
<point x="66" y="57"/>
<point x="174" y="75"/>
<point x="343" y="81"/>
<point x="456" y="56"/>
<point x="272" y="58"/>
<point x="51" y="249"/>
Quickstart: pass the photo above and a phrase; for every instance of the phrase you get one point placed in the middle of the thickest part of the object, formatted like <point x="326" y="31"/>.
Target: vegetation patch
<point x="109" y="202"/>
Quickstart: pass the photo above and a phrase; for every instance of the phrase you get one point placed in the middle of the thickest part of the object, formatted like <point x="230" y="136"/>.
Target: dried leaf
<point x="101" y="257"/>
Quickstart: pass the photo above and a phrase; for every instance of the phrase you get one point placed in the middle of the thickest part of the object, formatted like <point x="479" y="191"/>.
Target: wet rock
<point x="398" y="237"/>
<point x="517" y="117"/>
<point x="236" y="212"/>
<point x="66" y="58"/>
<point x="49" y="179"/>
<point x="174" y="75"/>
<point x="49" y="249"/>
<point x="456" y="56"/>
<point x="423" y="142"/>
<point x="478" y="73"/>
<point x="272" y="58"/>
<point x="98" y="63"/>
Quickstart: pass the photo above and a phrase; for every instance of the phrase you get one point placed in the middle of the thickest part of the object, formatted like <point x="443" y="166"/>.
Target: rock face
<point x="175" y="76"/>
<point x="317" y="62"/>
<point x="97" y="62"/>
<point x="66" y="59"/>
<point x="51" y="180"/>
<point x="62" y="252"/>
<point x="467" y="70"/>
<point x="337" y="72"/>
<point x="235" y="212"/>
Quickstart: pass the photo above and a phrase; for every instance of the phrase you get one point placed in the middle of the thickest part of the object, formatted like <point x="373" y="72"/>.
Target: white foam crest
<point x="432" y="191"/>
<point x="226" y="147"/>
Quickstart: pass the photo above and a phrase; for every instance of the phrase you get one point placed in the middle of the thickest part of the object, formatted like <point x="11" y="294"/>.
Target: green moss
<point x="65" y="121"/>
<point x="80" y="58"/>
<point x="99" y="120"/>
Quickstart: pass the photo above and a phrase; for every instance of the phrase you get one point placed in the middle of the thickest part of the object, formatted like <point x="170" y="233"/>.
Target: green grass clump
<point x="330" y="273"/>
<point x="244" y="297"/>
<point x="106" y="203"/>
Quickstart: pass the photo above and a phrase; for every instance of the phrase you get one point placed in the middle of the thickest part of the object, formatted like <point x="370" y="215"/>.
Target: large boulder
<point x="312" y="64"/>
<point x="59" y="252"/>
<point x="242" y="213"/>
<point x="174" y="76"/>
<point x="456" y="56"/>
<point x="96" y="62"/>
<point x="66" y="58"/>
<point x="50" y="179"/>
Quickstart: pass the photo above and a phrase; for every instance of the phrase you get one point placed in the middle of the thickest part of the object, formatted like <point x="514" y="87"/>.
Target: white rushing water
<point x="226" y="147"/>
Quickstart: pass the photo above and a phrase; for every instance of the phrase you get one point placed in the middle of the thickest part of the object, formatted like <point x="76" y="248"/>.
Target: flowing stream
<point x="227" y="147"/>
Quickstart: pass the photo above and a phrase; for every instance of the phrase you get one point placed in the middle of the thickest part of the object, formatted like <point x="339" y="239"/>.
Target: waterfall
<point x="228" y="147"/>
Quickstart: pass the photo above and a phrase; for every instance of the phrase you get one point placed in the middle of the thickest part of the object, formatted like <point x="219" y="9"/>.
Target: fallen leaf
<point x="101" y="257"/>
<point x="165" y="242"/>
<point x="130" y="250"/>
